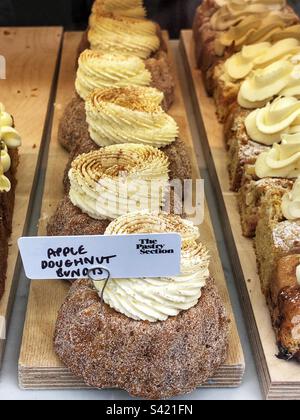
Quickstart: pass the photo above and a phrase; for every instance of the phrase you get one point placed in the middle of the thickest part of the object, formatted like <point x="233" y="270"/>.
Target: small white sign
<point x="70" y="258"/>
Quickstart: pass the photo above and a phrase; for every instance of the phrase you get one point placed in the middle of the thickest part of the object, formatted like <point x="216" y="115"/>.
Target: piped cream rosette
<point x="122" y="35"/>
<point x="253" y="29"/>
<point x="261" y="55"/>
<point x="281" y="78"/>
<point x="157" y="299"/>
<point x="291" y="203"/>
<point x="129" y="115"/>
<point x="266" y="125"/>
<point x="97" y="70"/>
<point x="282" y="161"/>
<point x="119" y="179"/>
<point x="129" y="8"/>
<point x="9" y="139"/>
<point x="233" y="11"/>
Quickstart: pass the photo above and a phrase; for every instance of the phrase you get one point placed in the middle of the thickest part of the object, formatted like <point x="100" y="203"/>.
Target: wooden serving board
<point x="31" y="56"/>
<point x="39" y="368"/>
<point x="279" y="379"/>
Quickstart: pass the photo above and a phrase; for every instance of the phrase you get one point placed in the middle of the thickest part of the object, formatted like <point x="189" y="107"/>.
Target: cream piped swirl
<point x="9" y="139"/>
<point x="298" y="274"/>
<point x="281" y="78"/>
<point x="129" y="8"/>
<point x="157" y="299"/>
<point x="233" y="12"/>
<point x="291" y="203"/>
<point x="266" y="125"/>
<point x="125" y="36"/>
<point x="261" y="55"/>
<point x="119" y="179"/>
<point x="96" y="70"/>
<point x="282" y="161"/>
<point x="129" y="115"/>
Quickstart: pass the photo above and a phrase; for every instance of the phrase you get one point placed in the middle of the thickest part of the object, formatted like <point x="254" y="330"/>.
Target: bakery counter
<point x="9" y="388"/>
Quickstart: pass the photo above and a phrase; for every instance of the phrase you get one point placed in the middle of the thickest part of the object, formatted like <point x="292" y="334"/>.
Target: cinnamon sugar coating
<point x="153" y="361"/>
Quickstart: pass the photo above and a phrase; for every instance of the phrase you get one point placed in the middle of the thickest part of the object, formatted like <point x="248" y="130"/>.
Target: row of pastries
<point x="153" y="337"/>
<point x="10" y="141"/>
<point x="249" y="53"/>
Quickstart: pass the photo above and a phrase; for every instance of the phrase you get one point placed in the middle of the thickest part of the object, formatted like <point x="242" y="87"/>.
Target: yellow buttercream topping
<point x="281" y="78"/>
<point x="291" y="203"/>
<point x="97" y="70"/>
<point x="106" y="184"/>
<point x="282" y="161"/>
<point x="266" y="125"/>
<point x="9" y="139"/>
<point x="157" y="299"/>
<point x="129" y="115"/>
<point x="254" y="29"/>
<point x="261" y="55"/>
<point x="129" y="8"/>
<point x="125" y="36"/>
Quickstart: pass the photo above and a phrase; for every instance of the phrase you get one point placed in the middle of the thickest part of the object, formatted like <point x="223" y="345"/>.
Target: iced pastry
<point x="160" y="327"/>
<point x="122" y="35"/>
<point x="221" y="30"/>
<point x="129" y="115"/>
<point x="266" y="125"/>
<point x="282" y="161"/>
<point x="281" y="78"/>
<point x="10" y="141"/>
<point x="291" y="203"/>
<point x="110" y="182"/>
<point x="96" y="70"/>
<point x="129" y="8"/>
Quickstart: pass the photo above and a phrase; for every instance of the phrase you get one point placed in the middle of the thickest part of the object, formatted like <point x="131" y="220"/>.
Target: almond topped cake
<point x="171" y="334"/>
<point x="10" y="141"/>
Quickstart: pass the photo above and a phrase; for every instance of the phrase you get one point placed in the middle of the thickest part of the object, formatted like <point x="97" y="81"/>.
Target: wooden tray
<point x="39" y="368"/>
<point x="279" y="379"/>
<point x="31" y="58"/>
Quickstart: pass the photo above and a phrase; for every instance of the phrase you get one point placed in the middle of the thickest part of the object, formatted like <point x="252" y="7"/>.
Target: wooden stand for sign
<point x="279" y="379"/>
<point x="39" y="368"/>
<point x="31" y="56"/>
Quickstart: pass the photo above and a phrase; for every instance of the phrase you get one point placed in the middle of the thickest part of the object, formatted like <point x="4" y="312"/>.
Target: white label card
<point x="124" y="256"/>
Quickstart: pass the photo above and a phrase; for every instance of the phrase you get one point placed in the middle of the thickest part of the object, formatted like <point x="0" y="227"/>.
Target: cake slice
<point x="155" y="338"/>
<point x="248" y="134"/>
<point x="278" y="231"/>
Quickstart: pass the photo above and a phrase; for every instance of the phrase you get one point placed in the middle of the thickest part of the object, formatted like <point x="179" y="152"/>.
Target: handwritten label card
<point x="70" y="258"/>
